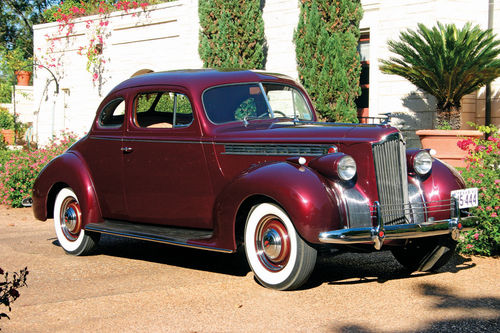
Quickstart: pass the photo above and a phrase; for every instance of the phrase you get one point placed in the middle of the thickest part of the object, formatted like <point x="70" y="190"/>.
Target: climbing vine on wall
<point x="232" y="34"/>
<point x="326" y="42"/>
<point x="96" y="29"/>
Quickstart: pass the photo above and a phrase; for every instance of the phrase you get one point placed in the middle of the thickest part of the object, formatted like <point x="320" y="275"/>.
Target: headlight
<point x="422" y="162"/>
<point x="346" y="168"/>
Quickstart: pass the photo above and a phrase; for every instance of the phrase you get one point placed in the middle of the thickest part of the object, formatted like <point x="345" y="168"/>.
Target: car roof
<point x="200" y="79"/>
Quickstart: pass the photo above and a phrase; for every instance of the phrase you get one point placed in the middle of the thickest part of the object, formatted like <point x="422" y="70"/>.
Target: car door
<point x="103" y="155"/>
<point x="166" y="176"/>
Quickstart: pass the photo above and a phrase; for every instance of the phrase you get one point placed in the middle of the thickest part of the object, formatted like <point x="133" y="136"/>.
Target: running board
<point x="156" y="233"/>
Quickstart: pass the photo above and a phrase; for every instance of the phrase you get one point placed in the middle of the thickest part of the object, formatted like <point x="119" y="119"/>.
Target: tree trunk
<point x="448" y="118"/>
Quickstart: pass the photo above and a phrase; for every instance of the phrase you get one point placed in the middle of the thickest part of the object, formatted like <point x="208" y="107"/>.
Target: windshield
<point x="255" y="101"/>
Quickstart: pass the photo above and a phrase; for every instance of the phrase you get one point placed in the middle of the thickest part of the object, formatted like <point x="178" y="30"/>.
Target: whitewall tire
<point x="68" y="225"/>
<point x="276" y="253"/>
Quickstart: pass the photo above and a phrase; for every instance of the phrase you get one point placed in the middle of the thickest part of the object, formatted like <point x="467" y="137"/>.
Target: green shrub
<point x="232" y="34"/>
<point x="482" y="171"/>
<point x="6" y="119"/>
<point x="19" y="171"/>
<point x="326" y="43"/>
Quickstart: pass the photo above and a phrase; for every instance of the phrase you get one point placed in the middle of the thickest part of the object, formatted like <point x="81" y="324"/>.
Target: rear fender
<point x="300" y="191"/>
<point x="66" y="170"/>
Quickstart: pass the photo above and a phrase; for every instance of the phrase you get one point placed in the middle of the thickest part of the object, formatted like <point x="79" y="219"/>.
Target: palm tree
<point x="446" y="62"/>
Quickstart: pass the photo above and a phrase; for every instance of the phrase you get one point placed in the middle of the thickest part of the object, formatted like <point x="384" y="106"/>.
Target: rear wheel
<point x="68" y="225"/>
<point x="425" y="254"/>
<point x="278" y="256"/>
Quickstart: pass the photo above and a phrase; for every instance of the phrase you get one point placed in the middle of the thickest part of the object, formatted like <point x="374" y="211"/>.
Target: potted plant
<point x="447" y="63"/>
<point x="16" y="62"/>
<point x="7" y="126"/>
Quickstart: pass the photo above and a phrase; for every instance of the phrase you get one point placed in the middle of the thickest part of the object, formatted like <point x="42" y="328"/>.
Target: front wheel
<point x="68" y="225"/>
<point x="425" y="254"/>
<point x="278" y="256"/>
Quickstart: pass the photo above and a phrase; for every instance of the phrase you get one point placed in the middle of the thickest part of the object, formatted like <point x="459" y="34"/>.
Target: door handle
<point x="126" y="149"/>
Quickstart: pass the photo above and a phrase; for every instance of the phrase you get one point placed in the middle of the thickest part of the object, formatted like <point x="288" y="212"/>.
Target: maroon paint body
<point x="185" y="177"/>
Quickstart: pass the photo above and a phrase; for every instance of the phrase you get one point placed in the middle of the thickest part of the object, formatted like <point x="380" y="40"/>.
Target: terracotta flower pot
<point x="8" y="136"/>
<point x="23" y="78"/>
<point x="444" y="142"/>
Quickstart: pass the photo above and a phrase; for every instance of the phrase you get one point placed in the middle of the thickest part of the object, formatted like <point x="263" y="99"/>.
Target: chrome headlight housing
<point x="346" y="168"/>
<point x="422" y="162"/>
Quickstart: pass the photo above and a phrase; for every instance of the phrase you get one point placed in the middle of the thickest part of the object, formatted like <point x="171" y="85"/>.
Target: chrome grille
<point x="392" y="184"/>
<point x="275" y="149"/>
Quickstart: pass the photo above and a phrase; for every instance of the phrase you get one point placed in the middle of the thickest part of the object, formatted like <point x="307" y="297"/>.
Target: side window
<point x="162" y="110"/>
<point x="112" y="114"/>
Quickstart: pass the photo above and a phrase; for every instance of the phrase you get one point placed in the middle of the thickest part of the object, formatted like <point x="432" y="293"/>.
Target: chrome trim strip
<point x="157" y="240"/>
<point x="269" y="149"/>
<point x="124" y="139"/>
<point x="400" y="231"/>
<point x="95" y="137"/>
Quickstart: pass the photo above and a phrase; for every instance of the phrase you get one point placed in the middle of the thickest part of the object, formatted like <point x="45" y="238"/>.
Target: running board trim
<point x="154" y="233"/>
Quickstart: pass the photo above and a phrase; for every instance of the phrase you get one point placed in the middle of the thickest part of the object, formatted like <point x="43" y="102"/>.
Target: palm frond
<point x="445" y="61"/>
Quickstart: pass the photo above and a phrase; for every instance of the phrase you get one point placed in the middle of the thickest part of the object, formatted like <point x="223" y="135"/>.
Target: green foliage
<point x="444" y="126"/>
<point x="77" y="8"/>
<point x="232" y="34"/>
<point x="6" y="119"/>
<point x="9" y="288"/>
<point x="482" y="166"/>
<point x="446" y="62"/>
<point x="19" y="171"/>
<point x="328" y="63"/>
<point x="17" y="18"/>
<point x="5" y="90"/>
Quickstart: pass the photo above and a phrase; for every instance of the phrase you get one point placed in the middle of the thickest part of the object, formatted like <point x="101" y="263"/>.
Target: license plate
<point x="466" y="198"/>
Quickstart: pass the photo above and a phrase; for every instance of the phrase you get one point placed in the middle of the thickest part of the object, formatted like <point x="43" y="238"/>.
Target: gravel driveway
<point x="135" y="286"/>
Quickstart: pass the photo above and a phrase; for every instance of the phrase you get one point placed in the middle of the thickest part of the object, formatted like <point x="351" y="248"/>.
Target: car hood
<point x="300" y="132"/>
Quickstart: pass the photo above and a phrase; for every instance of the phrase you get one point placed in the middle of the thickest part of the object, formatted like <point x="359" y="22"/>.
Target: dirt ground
<point x="136" y="286"/>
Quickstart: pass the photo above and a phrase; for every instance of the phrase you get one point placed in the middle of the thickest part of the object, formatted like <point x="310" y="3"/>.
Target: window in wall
<point x="362" y="102"/>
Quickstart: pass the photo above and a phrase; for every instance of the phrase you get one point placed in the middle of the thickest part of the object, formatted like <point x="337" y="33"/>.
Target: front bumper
<point x="377" y="235"/>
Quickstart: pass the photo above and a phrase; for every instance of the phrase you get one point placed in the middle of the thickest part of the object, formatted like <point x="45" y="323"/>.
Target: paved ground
<point x="133" y="286"/>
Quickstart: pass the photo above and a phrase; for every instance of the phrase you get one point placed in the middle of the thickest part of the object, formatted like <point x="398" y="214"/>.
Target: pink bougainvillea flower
<point x="494" y="214"/>
<point x="476" y="236"/>
<point x="469" y="246"/>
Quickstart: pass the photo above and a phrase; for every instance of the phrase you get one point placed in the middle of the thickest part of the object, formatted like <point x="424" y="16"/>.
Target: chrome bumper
<point x="377" y="235"/>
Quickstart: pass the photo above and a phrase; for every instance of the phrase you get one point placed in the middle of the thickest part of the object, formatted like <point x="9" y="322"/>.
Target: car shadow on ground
<point x="231" y="264"/>
<point x="378" y="267"/>
<point x="333" y="269"/>
<point x="444" y="298"/>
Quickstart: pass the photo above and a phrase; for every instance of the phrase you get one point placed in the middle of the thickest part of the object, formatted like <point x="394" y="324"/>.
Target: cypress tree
<point x="326" y="43"/>
<point x="232" y="34"/>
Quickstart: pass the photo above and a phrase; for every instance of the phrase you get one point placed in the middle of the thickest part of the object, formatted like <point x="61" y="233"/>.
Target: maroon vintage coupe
<point x="216" y="160"/>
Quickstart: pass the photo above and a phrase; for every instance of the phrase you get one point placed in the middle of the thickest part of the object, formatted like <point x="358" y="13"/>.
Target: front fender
<point x="436" y="187"/>
<point x="442" y="180"/>
<point x="300" y="191"/>
<point x="66" y="170"/>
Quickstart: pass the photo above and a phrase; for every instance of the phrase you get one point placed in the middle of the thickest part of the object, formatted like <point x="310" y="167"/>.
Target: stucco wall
<point x="162" y="38"/>
<point x="166" y="37"/>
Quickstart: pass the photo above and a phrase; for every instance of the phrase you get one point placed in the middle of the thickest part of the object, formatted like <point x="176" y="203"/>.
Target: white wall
<point x="162" y="38"/>
<point x="166" y="37"/>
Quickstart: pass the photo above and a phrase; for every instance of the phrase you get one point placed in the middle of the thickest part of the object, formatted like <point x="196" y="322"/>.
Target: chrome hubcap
<point x="272" y="243"/>
<point x="71" y="218"/>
